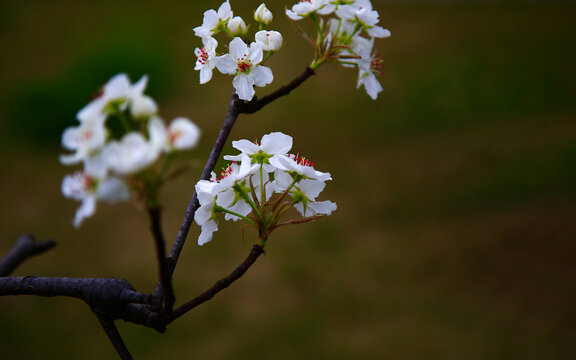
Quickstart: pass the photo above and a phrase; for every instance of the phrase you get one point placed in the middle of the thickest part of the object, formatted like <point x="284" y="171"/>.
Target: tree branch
<point x="166" y="292"/>
<point x="220" y="285"/>
<point x="114" y="336"/>
<point x="25" y="247"/>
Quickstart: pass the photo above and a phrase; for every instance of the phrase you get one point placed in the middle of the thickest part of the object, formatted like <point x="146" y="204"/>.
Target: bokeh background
<point x="456" y="228"/>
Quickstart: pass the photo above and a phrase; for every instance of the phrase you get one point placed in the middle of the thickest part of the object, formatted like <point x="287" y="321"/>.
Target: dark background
<point x="455" y="232"/>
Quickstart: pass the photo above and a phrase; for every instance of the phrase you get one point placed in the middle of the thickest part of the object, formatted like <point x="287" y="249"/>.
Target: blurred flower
<point x="88" y="189"/>
<point x="307" y="8"/>
<point x="360" y="12"/>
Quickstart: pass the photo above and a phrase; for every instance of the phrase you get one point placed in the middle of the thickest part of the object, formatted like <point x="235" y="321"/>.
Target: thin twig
<point x="167" y="292"/>
<point x="25" y="247"/>
<point x="220" y="285"/>
<point x="112" y="332"/>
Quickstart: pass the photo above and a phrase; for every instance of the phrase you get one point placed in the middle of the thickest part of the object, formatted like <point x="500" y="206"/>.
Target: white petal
<point x="246" y="146"/>
<point x="206" y="74"/>
<point x="379" y="32"/>
<point x="312" y="188"/>
<point x="86" y="209"/>
<point x="226" y="64"/>
<point x="256" y="53"/>
<point x="292" y="15"/>
<point x="113" y="189"/>
<point x="238" y="49"/>
<point x="207" y="233"/>
<point x="262" y="75"/>
<point x="244" y="86"/>
<point x="276" y="143"/>
<point x="322" y="207"/>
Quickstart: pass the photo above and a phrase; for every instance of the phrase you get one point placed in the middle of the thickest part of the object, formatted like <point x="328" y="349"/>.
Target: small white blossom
<point x="183" y="134"/>
<point x="213" y="20"/>
<point x="242" y="61"/>
<point x="237" y="26"/>
<point x="263" y="15"/>
<point x="298" y="165"/>
<point x="88" y="189"/>
<point x="369" y="65"/>
<point x="269" y="40"/>
<point x="205" y="215"/>
<point x="205" y="59"/>
<point x="271" y="145"/>
<point x="308" y="7"/>
<point x="360" y="12"/>
<point x="130" y="155"/>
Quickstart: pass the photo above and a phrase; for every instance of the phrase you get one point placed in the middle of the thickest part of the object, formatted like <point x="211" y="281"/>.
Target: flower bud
<point x="237" y="26"/>
<point x="263" y="15"/>
<point x="143" y="107"/>
<point x="269" y="40"/>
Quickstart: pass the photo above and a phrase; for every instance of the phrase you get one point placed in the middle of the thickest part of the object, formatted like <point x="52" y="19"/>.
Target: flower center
<point x="202" y="56"/>
<point x="243" y="64"/>
<point x="301" y="160"/>
<point x="376" y="65"/>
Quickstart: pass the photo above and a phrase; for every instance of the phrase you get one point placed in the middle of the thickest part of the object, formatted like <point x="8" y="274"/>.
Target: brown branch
<point x="25" y="247"/>
<point x="166" y="292"/>
<point x="114" y="336"/>
<point x="220" y="285"/>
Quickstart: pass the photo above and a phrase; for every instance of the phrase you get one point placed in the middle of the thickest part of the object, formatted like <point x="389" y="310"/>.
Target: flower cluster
<point x="256" y="185"/>
<point x="243" y="61"/>
<point x="346" y="33"/>
<point x="118" y="140"/>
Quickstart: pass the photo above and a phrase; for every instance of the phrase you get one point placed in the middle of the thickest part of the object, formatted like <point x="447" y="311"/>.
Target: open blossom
<point x="243" y="62"/>
<point x="271" y="145"/>
<point x="205" y="58"/>
<point x="205" y="215"/>
<point x="361" y="12"/>
<point x="89" y="189"/>
<point x="233" y="181"/>
<point x="213" y="20"/>
<point x="298" y="165"/>
<point x="269" y="40"/>
<point x="369" y="65"/>
<point x="308" y="7"/>
<point x="85" y="139"/>
<point x="130" y="155"/>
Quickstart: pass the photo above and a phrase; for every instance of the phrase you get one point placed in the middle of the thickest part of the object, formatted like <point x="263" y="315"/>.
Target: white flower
<point x="133" y="153"/>
<point x="304" y="194"/>
<point x="237" y="26"/>
<point x="205" y="215"/>
<point x="242" y="61"/>
<point x="263" y="15"/>
<point x="89" y="189"/>
<point x="183" y="134"/>
<point x="298" y="165"/>
<point x="233" y="181"/>
<point x="307" y="7"/>
<point x="361" y="12"/>
<point x="269" y="40"/>
<point x="86" y="140"/>
<point x="205" y="59"/>
<point x="213" y="20"/>
<point x="271" y="145"/>
<point x="369" y="66"/>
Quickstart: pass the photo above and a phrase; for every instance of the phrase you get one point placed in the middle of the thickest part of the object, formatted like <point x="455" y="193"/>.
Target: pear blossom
<point x="237" y="26"/>
<point x="269" y="40"/>
<point x="85" y="139"/>
<point x="205" y="58"/>
<point x="130" y="155"/>
<point x="213" y="20"/>
<point x="234" y="181"/>
<point x="299" y="166"/>
<point x="304" y="194"/>
<point x="308" y="7"/>
<point x="205" y="215"/>
<point x="360" y="12"/>
<point x="88" y="189"/>
<point x="242" y="62"/>
<point x="183" y="134"/>
<point x="271" y="145"/>
<point x="369" y="65"/>
<point x="263" y="15"/>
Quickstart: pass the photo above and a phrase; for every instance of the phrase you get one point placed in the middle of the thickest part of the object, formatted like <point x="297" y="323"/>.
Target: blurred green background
<point x="455" y="232"/>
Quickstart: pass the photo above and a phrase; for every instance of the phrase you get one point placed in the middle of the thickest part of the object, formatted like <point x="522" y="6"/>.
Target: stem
<point x="166" y="292"/>
<point x="220" y="285"/>
<point x="25" y="247"/>
<point x="112" y="332"/>
<point x="221" y="209"/>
